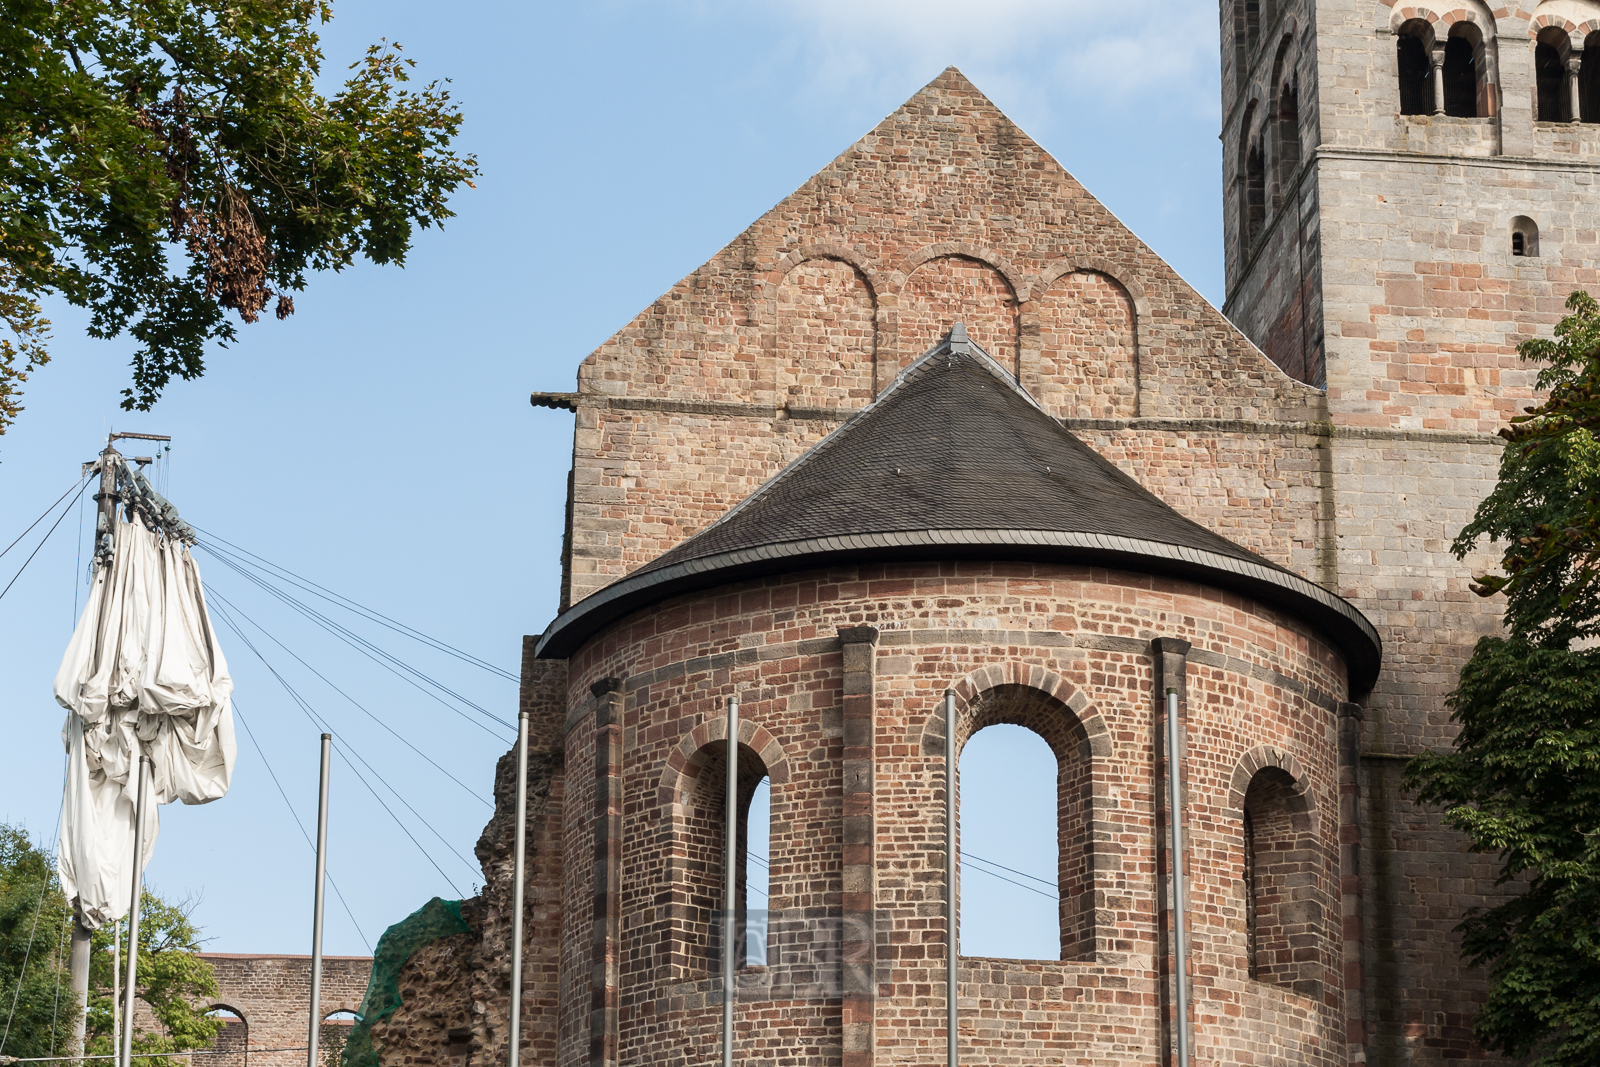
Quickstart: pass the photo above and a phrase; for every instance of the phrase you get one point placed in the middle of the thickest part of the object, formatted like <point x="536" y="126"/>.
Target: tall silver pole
<point x="730" y="885"/>
<point x="514" y="1056"/>
<point x="131" y="979"/>
<point x="316" y="915"/>
<point x="952" y="910"/>
<point x="78" y="970"/>
<point x="1179" y="897"/>
<point x="116" y="990"/>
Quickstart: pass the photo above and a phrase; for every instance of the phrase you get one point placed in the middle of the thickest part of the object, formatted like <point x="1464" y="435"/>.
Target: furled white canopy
<point x="143" y="673"/>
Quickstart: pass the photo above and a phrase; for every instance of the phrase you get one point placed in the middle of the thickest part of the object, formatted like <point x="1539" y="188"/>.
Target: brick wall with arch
<point x="1063" y="651"/>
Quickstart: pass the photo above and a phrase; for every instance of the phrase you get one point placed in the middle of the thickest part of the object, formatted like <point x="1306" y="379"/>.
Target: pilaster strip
<point x="859" y="645"/>
<point x="1171" y="661"/>
<point x="609" y="701"/>
<point x="1350" y="719"/>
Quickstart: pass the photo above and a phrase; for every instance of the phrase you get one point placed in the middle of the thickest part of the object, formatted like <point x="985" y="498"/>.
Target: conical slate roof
<point x="955" y="460"/>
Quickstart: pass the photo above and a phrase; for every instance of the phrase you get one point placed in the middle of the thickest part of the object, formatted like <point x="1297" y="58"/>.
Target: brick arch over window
<point x="691" y="788"/>
<point x="232" y="1042"/>
<point x="952" y="282"/>
<point x="1051" y="707"/>
<point x="1281" y="872"/>
<point x="825" y="315"/>
<point x="1086" y="319"/>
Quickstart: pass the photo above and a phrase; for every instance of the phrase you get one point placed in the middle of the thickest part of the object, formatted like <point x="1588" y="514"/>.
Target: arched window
<point x="1255" y="195"/>
<point x="1288" y="139"/>
<point x="1018" y="750"/>
<point x="699" y="876"/>
<point x="757" y="873"/>
<point x="1464" y="70"/>
<point x="1524" y="236"/>
<point x="1252" y="25"/>
<point x="1282" y="885"/>
<point x="1589" y="80"/>
<point x="332" y="1036"/>
<point x="1010" y="851"/>
<point x="1550" y="74"/>
<point x="232" y="1041"/>
<point x="1416" y="70"/>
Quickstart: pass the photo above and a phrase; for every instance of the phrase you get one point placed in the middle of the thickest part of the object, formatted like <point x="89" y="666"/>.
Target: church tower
<point x="1409" y="192"/>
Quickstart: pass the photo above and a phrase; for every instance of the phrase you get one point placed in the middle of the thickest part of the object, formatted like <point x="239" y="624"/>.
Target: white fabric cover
<point x="143" y="665"/>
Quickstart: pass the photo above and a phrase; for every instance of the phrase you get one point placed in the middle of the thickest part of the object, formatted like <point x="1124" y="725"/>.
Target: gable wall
<point x="945" y="212"/>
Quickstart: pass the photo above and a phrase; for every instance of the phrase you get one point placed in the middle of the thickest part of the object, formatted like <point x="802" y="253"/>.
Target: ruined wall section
<point x="456" y="992"/>
<point x="272" y="995"/>
<point x="945" y="212"/>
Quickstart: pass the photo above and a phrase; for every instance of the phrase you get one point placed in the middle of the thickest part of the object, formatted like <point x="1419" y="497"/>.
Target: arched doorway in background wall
<point x="232" y="1041"/>
<point x="331" y="1038"/>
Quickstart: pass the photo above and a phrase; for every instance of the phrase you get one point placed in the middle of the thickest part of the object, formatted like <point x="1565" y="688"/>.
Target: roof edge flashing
<point x="1343" y="623"/>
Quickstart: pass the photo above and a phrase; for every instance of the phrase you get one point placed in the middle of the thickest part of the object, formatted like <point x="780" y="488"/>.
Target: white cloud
<point x="1128" y="54"/>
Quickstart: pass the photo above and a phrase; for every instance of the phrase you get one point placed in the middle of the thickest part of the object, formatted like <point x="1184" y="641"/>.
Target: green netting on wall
<point x="435" y="919"/>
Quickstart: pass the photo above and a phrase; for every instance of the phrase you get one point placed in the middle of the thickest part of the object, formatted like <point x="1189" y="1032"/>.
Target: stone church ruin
<point x="938" y="421"/>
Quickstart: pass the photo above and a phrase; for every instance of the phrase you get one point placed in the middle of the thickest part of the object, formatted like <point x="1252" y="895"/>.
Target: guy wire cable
<point x="1003" y="867"/>
<point x="372" y="652"/>
<point x="211" y="591"/>
<point x="350" y="636"/>
<point x="296" y="816"/>
<point x="340" y="600"/>
<point x="42" y="542"/>
<point x="324" y="726"/>
<point x="41" y="518"/>
<point x="1003" y="878"/>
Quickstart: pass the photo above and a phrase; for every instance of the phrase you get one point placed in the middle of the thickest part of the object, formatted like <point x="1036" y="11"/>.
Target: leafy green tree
<point x="174" y="983"/>
<point x="1523" y="781"/>
<point x="36" y="1001"/>
<point x="166" y="162"/>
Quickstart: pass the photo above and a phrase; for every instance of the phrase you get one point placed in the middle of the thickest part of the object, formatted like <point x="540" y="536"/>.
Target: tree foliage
<point x="35" y="924"/>
<point x="1523" y="781"/>
<point x="166" y="162"/>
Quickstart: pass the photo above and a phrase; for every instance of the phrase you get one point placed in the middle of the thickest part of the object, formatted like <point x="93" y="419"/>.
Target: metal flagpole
<point x="952" y="911"/>
<point x="1175" y="804"/>
<point x="514" y="1056"/>
<point x="133" y="909"/>
<point x="316" y="917"/>
<point x="78" y="971"/>
<point x="730" y="887"/>
<point x="116" y="987"/>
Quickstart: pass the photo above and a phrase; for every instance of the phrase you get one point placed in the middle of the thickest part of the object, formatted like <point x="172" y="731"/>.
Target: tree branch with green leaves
<point x="1523" y="780"/>
<point x="169" y="166"/>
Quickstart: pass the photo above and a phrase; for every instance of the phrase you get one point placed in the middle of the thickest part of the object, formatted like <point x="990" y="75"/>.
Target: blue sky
<point x="380" y="442"/>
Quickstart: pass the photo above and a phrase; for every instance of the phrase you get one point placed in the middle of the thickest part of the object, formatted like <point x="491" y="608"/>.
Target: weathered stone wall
<point x="456" y="992"/>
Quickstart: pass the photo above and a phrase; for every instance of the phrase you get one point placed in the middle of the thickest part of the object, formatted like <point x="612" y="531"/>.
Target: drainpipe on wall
<point x="730" y="888"/>
<point x="1180" y="953"/>
<point x="952" y="910"/>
